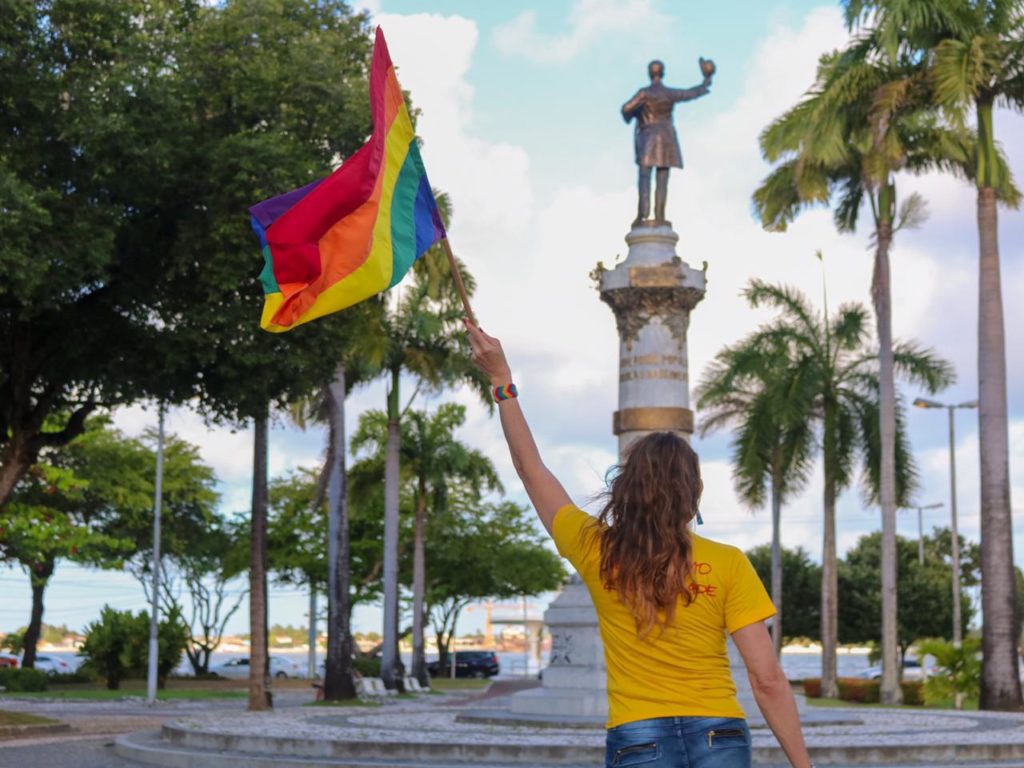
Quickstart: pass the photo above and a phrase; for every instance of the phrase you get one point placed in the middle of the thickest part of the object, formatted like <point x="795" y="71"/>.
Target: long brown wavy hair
<point x="646" y="545"/>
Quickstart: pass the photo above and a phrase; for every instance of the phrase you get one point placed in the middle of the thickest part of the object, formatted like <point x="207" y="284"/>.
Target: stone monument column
<point x="652" y="294"/>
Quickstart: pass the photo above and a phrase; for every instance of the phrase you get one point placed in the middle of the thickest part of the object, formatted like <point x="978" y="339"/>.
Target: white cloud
<point x="588" y="22"/>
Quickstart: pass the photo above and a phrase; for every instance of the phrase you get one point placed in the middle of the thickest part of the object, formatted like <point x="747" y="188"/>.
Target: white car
<point x="912" y="670"/>
<point x="280" y="667"/>
<point x="51" y="665"/>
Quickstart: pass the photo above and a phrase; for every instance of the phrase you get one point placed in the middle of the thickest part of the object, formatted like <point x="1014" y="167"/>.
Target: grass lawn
<point x="458" y="684"/>
<point x="102" y="694"/>
<point x="176" y="689"/>
<point x="20" y="718"/>
<point x="346" y="703"/>
<point x="826" y="703"/>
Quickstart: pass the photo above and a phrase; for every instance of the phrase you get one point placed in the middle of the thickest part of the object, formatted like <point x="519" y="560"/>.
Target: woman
<point x="664" y="597"/>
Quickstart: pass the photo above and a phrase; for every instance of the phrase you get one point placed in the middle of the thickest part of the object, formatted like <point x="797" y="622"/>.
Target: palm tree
<point x="433" y="460"/>
<point x="423" y="336"/>
<point x="770" y="446"/>
<point x="356" y="365"/>
<point x="863" y="121"/>
<point x="832" y="379"/>
<point x="973" y="53"/>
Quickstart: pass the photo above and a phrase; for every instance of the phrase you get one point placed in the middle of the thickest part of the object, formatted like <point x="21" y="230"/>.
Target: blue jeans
<point x="680" y="742"/>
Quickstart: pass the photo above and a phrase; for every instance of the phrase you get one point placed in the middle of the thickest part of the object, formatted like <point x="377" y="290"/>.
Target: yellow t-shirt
<point x="681" y="670"/>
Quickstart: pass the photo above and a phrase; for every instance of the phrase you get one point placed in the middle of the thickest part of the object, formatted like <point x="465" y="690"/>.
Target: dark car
<point x="479" y="664"/>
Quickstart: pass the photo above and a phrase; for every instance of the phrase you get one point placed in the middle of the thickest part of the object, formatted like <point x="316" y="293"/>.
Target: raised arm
<point x="546" y="494"/>
<point x="688" y="94"/>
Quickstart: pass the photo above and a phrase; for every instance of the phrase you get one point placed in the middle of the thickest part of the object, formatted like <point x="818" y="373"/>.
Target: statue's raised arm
<point x="656" y="143"/>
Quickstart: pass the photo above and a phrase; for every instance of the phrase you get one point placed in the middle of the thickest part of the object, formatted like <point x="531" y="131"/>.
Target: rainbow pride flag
<point x="347" y="237"/>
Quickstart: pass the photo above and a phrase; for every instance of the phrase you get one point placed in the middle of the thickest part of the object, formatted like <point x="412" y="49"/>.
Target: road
<point x="67" y="753"/>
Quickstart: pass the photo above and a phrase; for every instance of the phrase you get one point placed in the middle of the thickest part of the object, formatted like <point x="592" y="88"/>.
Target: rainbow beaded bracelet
<point x="505" y="392"/>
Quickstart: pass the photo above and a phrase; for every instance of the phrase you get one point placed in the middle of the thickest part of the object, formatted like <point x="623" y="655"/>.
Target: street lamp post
<point x="923" y="403"/>
<point x="920" y="528"/>
<point x="154" y="618"/>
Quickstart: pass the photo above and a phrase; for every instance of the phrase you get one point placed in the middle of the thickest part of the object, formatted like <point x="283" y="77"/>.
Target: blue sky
<point x="520" y="122"/>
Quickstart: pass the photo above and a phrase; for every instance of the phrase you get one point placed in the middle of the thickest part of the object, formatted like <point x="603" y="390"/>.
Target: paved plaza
<point x="427" y="732"/>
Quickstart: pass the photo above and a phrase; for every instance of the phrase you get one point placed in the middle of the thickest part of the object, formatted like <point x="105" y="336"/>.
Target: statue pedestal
<point x="575" y="681"/>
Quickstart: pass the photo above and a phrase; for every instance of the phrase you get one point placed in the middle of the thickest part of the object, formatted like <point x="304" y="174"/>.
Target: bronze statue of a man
<point x="657" y="145"/>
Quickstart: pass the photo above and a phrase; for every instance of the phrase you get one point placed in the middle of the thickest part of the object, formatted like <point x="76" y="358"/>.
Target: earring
<point x="700" y="520"/>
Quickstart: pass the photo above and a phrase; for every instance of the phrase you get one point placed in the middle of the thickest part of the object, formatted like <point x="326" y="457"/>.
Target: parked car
<point x="912" y="670"/>
<point x="238" y="667"/>
<point x="7" y="660"/>
<point x="478" y="664"/>
<point x="51" y="665"/>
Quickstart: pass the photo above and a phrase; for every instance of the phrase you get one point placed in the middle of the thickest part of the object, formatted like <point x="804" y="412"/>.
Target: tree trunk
<point x="259" y="694"/>
<point x="25" y="436"/>
<point x="391" y="663"/>
<point x="15" y="461"/>
<point x="339" y="682"/>
<point x="1000" y="681"/>
<point x="890" y="691"/>
<point x="829" y="570"/>
<point x="777" y="565"/>
<point x="40" y="577"/>
<point x="419" y="580"/>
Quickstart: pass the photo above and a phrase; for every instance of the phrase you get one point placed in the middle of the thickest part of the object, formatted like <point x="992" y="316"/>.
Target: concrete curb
<point x="178" y="748"/>
<point x="148" y="749"/>
<point x="8" y="732"/>
<point x="413" y="752"/>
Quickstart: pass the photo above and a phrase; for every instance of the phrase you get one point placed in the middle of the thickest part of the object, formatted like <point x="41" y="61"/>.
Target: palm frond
<point x="922" y="366"/>
<point x="913" y="212"/>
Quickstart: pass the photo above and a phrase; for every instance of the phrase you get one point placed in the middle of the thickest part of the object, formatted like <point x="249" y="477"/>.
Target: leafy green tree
<point x="91" y="144"/>
<point x="91" y="502"/>
<point x="297" y="533"/>
<point x="832" y="375"/>
<point x="938" y="547"/>
<point x="478" y="551"/>
<point x="925" y="595"/>
<point x="801" y="586"/>
<point x="772" y="443"/>
<point x="432" y="460"/>
<point x="972" y="52"/>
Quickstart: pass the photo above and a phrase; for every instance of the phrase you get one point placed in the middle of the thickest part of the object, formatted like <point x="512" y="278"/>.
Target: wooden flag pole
<point x="457" y="276"/>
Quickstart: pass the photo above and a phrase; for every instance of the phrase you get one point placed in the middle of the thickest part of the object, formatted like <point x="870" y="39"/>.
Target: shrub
<point x="959" y="670"/>
<point x="117" y="645"/>
<point x="13" y="642"/>
<point x="14" y="680"/>
<point x="84" y="674"/>
<point x="198" y="676"/>
<point x="913" y="692"/>
<point x="172" y="638"/>
<point x="859" y="690"/>
<point x="812" y="687"/>
<point x="367" y="667"/>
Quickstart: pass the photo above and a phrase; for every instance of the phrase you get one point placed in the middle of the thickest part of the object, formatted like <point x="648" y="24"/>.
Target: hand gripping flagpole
<point x="459" y="285"/>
